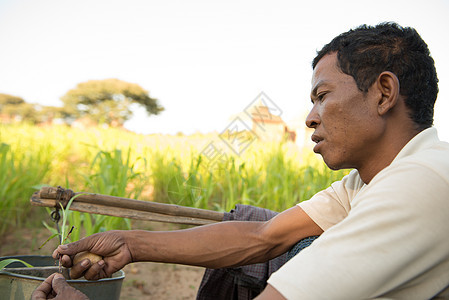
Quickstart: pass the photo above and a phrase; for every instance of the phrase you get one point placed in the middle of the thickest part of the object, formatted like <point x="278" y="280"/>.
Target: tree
<point x="15" y="109"/>
<point x="20" y="112"/>
<point x="12" y="107"/>
<point x="6" y="100"/>
<point x="108" y="101"/>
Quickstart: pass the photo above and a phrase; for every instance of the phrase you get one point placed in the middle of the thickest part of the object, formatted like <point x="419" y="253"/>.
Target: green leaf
<point x="39" y="186"/>
<point x="64" y="216"/>
<point x="52" y="236"/>
<point x="8" y="261"/>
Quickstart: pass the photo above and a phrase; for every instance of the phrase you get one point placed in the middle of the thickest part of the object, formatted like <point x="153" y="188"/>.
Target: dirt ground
<point x="160" y="281"/>
<point x="142" y="280"/>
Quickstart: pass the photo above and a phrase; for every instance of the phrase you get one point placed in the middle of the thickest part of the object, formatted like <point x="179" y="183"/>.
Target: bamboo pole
<point x="126" y="208"/>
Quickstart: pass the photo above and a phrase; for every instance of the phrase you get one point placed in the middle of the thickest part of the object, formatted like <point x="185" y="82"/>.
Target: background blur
<point x="205" y="61"/>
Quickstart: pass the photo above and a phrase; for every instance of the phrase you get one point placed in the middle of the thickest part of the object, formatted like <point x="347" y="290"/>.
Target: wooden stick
<point x="121" y="212"/>
<point x="132" y="208"/>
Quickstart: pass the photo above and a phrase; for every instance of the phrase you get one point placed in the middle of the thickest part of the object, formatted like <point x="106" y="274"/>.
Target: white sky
<point x="204" y="60"/>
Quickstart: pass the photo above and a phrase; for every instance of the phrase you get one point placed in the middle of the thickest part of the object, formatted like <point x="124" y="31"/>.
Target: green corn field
<point x="160" y="168"/>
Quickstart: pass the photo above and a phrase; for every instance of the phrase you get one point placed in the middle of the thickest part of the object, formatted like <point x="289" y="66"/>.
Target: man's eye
<point x="320" y="97"/>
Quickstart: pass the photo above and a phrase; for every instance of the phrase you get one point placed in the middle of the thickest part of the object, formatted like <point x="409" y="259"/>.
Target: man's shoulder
<point x="425" y="147"/>
<point x="421" y="175"/>
<point x="410" y="185"/>
<point x="434" y="158"/>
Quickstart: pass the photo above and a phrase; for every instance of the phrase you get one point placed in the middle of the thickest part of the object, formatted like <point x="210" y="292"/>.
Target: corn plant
<point x="63" y="232"/>
<point x="271" y="175"/>
<point x="20" y="170"/>
<point x="265" y="176"/>
<point x="113" y="175"/>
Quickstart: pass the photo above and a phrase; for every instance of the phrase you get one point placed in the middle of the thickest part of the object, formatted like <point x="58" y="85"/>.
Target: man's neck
<point x="390" y="146"/>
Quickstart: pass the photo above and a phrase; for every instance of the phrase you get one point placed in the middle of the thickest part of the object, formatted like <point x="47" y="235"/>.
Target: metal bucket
<point x="18" y="283"/>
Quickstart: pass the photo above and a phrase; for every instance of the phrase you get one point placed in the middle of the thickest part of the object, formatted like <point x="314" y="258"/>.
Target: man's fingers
<point x="95" y="272"/>
<point x="68" y="249"/>
<point x="59" y="283"/>
<point x="79" y="269"/>
<point x="88" y="270"/>
<point x="66" y="261"/>
<point x="43" y="290"/>
<point x="65" y="291"/>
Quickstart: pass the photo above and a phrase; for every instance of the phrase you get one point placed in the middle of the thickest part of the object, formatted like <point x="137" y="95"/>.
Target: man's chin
<point x="335" y="166"/>
<point x="331" y="164"/>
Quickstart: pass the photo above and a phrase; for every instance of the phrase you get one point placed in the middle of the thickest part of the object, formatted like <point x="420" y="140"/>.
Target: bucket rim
<point x="119" y="276"/>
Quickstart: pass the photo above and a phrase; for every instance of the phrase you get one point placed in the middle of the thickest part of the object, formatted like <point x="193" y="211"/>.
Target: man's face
<point x="344" y="118"/>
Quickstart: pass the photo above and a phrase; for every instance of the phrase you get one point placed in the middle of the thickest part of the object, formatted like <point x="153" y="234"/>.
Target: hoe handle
<point x="124" y="207"/>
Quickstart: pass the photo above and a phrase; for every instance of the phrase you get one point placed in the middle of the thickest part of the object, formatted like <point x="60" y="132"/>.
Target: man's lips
<point x="316" y="139"/>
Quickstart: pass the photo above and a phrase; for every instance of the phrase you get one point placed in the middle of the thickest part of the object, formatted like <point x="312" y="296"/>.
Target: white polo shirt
<point x="388" y="239"/>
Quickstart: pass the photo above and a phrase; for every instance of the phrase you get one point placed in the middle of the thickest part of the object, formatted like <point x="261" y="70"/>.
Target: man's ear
<point x="388" y="85"/>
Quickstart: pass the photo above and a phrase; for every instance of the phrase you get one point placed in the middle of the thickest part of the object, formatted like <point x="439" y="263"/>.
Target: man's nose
<point x="313" y="118"/>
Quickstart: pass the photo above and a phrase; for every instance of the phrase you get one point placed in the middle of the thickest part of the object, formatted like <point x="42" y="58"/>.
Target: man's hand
<point x="55" y="287"/>
<point x="110" y="245"/>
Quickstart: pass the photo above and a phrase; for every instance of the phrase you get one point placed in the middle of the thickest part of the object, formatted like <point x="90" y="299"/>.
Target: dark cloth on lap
<point x="244" y="282"/>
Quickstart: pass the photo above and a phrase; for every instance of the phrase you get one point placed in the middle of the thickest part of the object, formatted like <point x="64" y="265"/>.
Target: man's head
<point x="367" y="51"/>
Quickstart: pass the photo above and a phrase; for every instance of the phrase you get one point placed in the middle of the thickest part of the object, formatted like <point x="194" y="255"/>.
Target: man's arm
<point x="225" y="244"/>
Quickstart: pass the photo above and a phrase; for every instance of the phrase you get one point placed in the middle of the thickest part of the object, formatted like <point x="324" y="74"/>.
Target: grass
<point x="119" y="163"/>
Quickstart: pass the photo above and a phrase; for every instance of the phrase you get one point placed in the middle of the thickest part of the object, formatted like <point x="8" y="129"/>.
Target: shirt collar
<point x="422" y="140"/>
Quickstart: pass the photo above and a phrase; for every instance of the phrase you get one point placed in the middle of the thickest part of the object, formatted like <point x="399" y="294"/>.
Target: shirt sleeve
<point x="332" y="205"/>
<point x="395" y="231"/>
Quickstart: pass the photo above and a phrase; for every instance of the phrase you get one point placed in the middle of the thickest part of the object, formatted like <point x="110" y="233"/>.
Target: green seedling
<point x="94" y="258"/>
<point x="62" y="237"/>
<point x="62" y="234"/>
<point x="8" y="261"/>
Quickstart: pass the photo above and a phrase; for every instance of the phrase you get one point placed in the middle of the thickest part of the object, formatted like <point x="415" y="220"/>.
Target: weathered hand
<point x="111" y="245"/>
<point x="56" y="287"/>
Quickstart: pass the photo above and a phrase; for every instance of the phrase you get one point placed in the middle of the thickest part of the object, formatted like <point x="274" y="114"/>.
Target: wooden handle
<point x="128" y="208"/>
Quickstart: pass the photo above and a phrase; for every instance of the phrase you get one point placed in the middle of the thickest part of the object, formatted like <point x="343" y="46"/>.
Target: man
<point x="382" y="227"/>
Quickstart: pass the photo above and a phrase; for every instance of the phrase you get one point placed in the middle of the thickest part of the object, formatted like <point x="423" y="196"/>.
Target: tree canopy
<point x="6" y="100"/>
<point x="108" y="101"/>
<point x="14" y="108"/>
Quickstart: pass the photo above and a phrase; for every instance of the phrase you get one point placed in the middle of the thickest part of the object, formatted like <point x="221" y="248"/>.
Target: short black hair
<point x="367" y="51"/>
